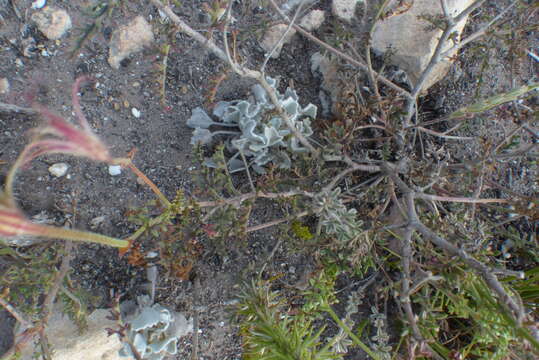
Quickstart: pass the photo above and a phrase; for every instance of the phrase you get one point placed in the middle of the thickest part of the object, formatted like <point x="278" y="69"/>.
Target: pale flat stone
<point x="331" y="84"/>
<point x="93" y="344"/>
<point x="345" y="9"/>
<point x="129" y="39"/>
<point x="411" y="42"/>
<point x="272" y="37"/>
<point x="4" y="85"/>
<point x="313" y="20"/>
<point x="58" y="169"/>
<point x="53" y="22"/>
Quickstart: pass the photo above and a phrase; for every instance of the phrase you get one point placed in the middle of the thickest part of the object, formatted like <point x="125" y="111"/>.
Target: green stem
<point x="347" y="330"/>
<point x="77" y="235"/>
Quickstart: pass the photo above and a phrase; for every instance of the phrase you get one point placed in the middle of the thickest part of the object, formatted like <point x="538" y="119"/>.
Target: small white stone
<point x="344" y="9"/>
<point x="272" y="38"/>
<point x="135" y="112"/>
<point x="58" y="169"/>
<point x="313" y="20"/>
<point x="115" y="170"/>
<point x="53" y="22"/>
<point x="38" y="4"/>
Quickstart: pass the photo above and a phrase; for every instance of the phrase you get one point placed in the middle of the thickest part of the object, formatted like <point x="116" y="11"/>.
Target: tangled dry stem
<point x="388" y="169"/>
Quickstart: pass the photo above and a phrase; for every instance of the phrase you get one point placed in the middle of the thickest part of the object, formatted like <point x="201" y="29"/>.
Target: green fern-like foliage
<point x="270" y="333"/>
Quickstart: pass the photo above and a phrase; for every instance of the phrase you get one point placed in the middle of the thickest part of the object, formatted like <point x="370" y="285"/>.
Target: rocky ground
<point x="127" y="108"/>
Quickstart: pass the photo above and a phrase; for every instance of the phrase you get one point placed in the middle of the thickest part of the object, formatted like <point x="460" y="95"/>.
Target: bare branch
<point x="342" y="55"/>
<point x="281" y="40"/>
<point x="21" y="318"/>
<point x="419" y="195"/>
<point x="479" y="32"/>
<point x="240" y="70"/>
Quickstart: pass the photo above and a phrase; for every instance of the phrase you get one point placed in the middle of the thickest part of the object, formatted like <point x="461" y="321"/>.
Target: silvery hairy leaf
<point x="199" y="119"/>
<point x="201" y="136"/>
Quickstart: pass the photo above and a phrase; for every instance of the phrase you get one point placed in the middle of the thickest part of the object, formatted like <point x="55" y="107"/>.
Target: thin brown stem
<point x="20" y="317"/>
<point x="129" y="164"/>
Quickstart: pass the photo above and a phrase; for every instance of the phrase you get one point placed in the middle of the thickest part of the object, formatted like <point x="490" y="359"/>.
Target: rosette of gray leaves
<point x="335" y="217"/>
<point x="255" y="129"/>
<point x="154" y="332"/>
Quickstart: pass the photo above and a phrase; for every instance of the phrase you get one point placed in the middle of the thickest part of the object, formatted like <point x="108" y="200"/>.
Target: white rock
<point x="135" y="112"/>
<point x="344" y="9"/>
<point x="313" y="20"/>
<point x="272" y="37"/>
<point x="129" y="39"/>
<point x="93" y="344"/>
<point x="38" y="4"/>
<point x="53" y="22"/>
<point x="58" y="169"/>
<point x="4" y="85"/>
<point x="291" y="4"/>
<point x="115" y="170"/>
<point x="331" y="81"/>
<point x="410" y="41"/>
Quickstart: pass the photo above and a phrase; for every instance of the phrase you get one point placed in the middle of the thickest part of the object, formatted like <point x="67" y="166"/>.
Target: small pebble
<point x="38" y="4"/>
<point x="58" y="169"/>
<point x="4" y="85"/>
<point x="135" y="112"/>
<point x="126" y="104"/>
<point x="115" y="170"/>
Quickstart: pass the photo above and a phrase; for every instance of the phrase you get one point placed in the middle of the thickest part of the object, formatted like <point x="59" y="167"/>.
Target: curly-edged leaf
<point x="220" y="108"/>
<point x="257" y="147"/>
<point x="235" y="165"/>
<point x="201" y="136"/>
<point x="167" y="344"/>
<point x="272" y="136"/>
<point x="291" y="93"/>
<point x="199" y="119"/>
<point x="148" y="318"/>
<point x="295" y="146"/>
<point x="243" y="107"/>
<point x="310" y="111"/>
<point x="276" y="122"/>
<point x="249" y="133"/>
<point x="271" y="82"/>
<point x="240" y="143"/>
<point x="260" y="94"/>
<point x="231" y="115"/>
<point x="305" y="127"/>
<point x="291" y="106"/>
<point x="263" y="157"/>
<point x="139" y="342"/>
